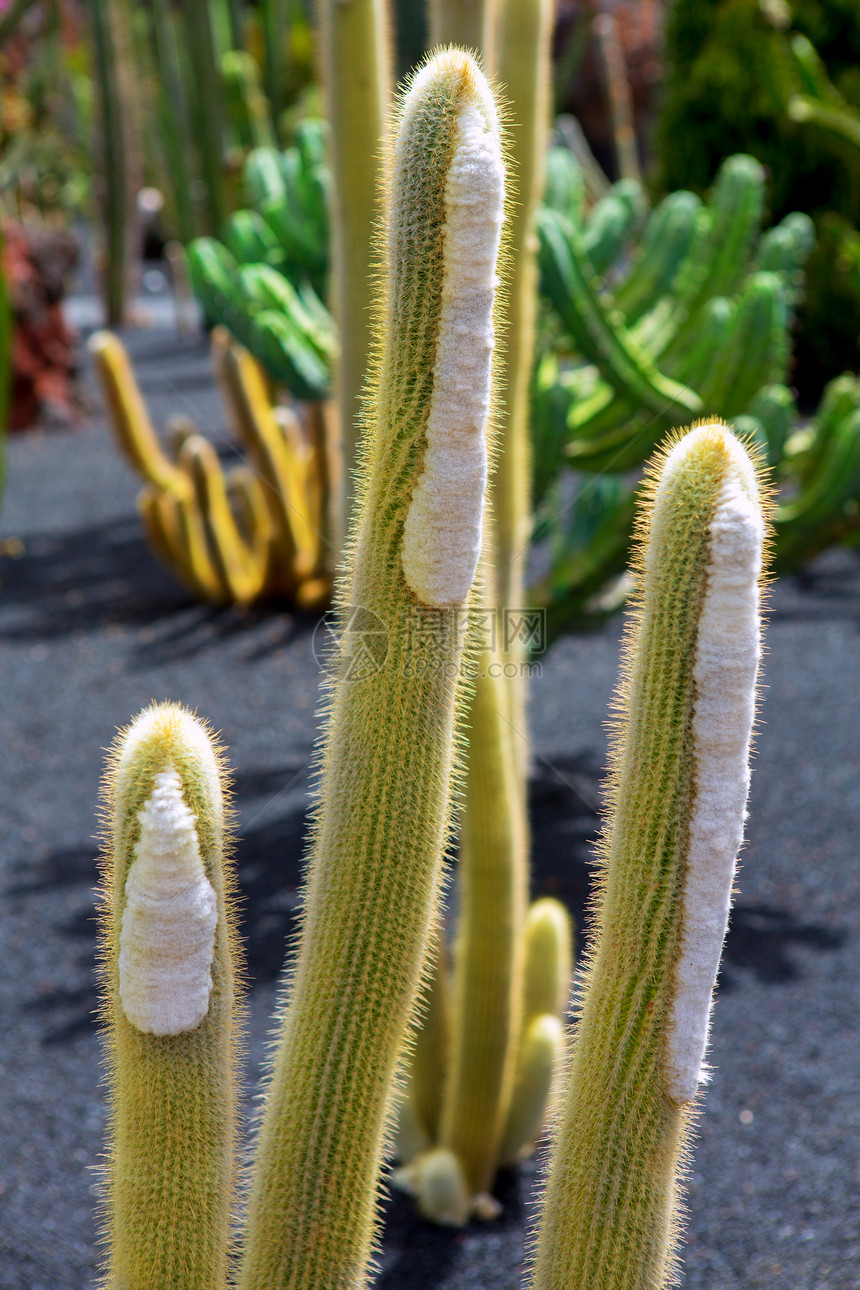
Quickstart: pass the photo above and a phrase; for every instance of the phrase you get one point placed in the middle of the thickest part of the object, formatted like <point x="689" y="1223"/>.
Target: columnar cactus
<point x="168" y="965"/>
<point x="678" y="790"/>
<point x="375" y="869"/>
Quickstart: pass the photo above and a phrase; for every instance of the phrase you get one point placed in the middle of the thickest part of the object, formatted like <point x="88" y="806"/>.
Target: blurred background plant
<point x="730" y="74"/>
<point x="212" y="152"/>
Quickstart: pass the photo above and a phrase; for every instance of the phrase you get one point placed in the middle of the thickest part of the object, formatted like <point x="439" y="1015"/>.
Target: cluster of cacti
<point x="611" y="1211"/>
<point x="688" y="311"/>
<point x="231" y="536"/>
<point x="729" y="74"/>
<point x="485" y="1064"/>
<point x="389" y="767"/>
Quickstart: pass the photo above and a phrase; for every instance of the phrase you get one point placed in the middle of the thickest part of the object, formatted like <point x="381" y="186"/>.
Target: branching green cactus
<point x="376" y="862"/>
<point x="677" y="794"/>
<point x="701" y="313"/>
<point x="169" y="969"/>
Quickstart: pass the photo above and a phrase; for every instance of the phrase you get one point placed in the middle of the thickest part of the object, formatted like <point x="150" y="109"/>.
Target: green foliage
<point x="730" y="77"/>
<point x="698" y="306"/>
<point x="266" y="282"/>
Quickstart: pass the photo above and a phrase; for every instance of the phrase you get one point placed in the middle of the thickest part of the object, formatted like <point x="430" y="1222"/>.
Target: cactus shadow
<point x="761" y="939"/>
<point x="85" y="581"/>
<point x="105" y="576"/>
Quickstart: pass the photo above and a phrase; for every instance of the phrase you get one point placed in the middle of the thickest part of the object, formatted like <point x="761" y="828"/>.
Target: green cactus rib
<point x="170" y="1179"/>
<point x="612" y="223"/>
<point x="678" y="789"/>
<point x="841" y="397"/>
<point x="736" y="203"/>
<point x="603" y="340"/>
<point x="755" y="349"/>
<point x="825" y="509"/>
<point x="666" y="240"/>
<point x="776" y="411"/>
<point x="785" y="248"/>
<point x="375" y="868"/>
<point x="250" y="240"/>
<point x="264" y="178"/>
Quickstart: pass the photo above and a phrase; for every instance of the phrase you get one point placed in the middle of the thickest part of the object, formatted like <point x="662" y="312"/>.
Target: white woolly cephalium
<point x="442" y="533"/>
<point x="728" y="650"/>
<point x="167" y="940"/>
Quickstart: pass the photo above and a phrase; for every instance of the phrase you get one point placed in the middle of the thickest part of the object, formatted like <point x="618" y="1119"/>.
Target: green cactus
<point x="666" y="239"/>
<point x="169" y="956"/>
<point x="603" y="340"/>
<point x="731" y="352"/>
<point x="612" y="223"/>
<point x="678" y="791"/>
<point x="414" y="555"/>
<point x="5" y="361"/>
<point x="353" y="36"/>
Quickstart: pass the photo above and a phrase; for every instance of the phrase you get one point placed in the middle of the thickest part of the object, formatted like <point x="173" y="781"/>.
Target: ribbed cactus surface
<point x="168" y="968"/>
<point x="677" y="797"/>
<point x="375" y="868"/>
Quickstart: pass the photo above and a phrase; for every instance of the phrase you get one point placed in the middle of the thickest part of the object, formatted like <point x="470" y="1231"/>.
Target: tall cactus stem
<point x="525" y="30"/>
<point x="548" y="959"/>
<point x="678" y="790"/>
<point x="618" y="93"/>
<point x="546" y="987"/>
<point x="375" y="869"/>
<point x="353" y="33"/>
<point x="471" y="24"/>
<point x="168" y="968"/>
<point x="430" y="1054"/>
<point x="488" y="962"/>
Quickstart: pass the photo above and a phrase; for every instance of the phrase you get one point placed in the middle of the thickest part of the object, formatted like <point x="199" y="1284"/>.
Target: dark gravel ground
<point x="92" y="629"/>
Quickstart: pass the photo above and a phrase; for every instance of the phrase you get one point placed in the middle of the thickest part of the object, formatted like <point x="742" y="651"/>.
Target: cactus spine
<point x="376" y="863"/>
<point x="168" y="955"/>
<point x="678" y="791"/>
